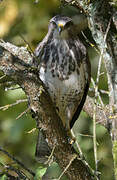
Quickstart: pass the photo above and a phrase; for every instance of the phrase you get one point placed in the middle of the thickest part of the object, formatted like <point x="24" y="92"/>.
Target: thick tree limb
<point x="16" y="63"/>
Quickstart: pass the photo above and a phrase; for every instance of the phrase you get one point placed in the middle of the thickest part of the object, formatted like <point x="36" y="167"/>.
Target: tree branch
<point x="17" y="63"/>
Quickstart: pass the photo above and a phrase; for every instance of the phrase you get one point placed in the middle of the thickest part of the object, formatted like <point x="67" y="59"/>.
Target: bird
<point x="64" y="68"/>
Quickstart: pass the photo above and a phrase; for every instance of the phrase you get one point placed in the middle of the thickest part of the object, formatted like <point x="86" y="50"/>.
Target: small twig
<point x="94" y="136"/>
<point x="92" y="90"/>
<point x="70" y="162"/>
<point x="85" y="135"/>
<point x="92" y="45"/>
<point x="27" y="44"/>
<point x="94" y="110"/>
<point x="24" y="112"/>
<point x="32" y="130"/>
<point x="2" y="77"/>
<point x="49" y="161"/>
<point x="11" y="105"/>
<point x="103" y="91"/>
<point x="11" y="88"/>
<point x="97" y="92"/>
<point x="17" y="161"/>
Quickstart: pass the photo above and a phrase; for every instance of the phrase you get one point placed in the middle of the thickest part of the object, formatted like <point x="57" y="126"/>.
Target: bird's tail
<point x="42" y="149"/>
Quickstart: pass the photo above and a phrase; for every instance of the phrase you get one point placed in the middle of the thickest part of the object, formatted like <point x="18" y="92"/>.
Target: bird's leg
<point x="71" y="137"/>
<point x="72" y="140"/>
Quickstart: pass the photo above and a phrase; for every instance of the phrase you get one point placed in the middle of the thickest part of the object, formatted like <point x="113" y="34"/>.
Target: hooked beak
<point x="60" y="28"/>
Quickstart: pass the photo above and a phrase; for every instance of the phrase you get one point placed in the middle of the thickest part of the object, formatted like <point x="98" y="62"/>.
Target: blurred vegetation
<point x="30" y="20"/>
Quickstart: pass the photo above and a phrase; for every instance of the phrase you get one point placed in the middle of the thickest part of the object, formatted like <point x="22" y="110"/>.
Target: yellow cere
<point x="60" y="25"/>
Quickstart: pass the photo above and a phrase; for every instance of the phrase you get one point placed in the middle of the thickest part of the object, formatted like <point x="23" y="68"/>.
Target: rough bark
<point x="16" y="63"/>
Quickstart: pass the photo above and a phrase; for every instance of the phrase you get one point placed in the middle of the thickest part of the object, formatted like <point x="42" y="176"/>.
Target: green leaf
<point x="40" y="172"/>
<point x="4" y="177"/>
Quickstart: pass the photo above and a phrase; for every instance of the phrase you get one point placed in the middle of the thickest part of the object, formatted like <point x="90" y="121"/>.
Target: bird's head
<point x="61" y="26"/>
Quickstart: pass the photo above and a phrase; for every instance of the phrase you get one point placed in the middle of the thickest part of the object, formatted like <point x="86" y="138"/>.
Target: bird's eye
<point x="68" y="24"/>
<point x="54" y="23"/>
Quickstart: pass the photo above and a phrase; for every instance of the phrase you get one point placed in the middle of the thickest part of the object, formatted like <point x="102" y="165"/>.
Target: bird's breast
<point x="66" y="94"/>
<point x="63" y="73"/>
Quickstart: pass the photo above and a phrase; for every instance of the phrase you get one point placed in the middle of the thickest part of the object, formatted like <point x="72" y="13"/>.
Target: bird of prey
<point x="64" y="68"/>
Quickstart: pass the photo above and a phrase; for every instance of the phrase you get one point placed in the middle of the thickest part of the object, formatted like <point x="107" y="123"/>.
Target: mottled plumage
<point x="64" y="68"/>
